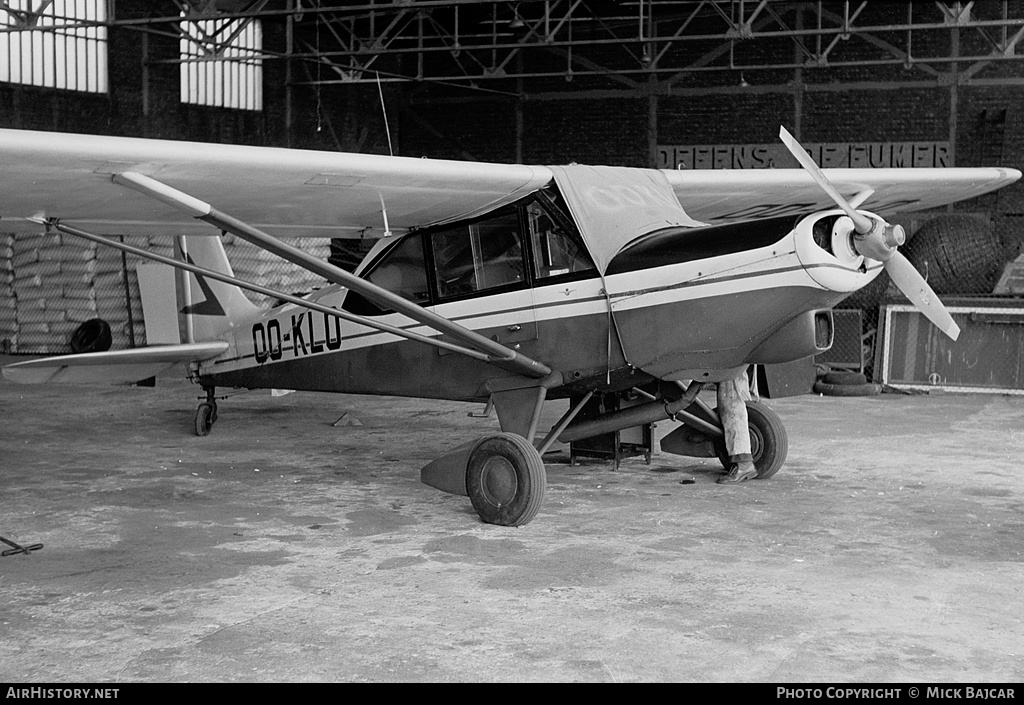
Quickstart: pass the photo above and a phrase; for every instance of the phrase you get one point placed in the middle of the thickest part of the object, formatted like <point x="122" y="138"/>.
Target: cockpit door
<point x="480" y="277"/>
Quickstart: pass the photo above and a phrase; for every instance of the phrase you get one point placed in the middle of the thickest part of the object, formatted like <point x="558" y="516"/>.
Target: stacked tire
<point x="845" y="384"/>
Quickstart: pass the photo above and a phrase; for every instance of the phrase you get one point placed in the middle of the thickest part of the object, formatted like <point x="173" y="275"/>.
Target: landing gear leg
<point x="206" y="414"/>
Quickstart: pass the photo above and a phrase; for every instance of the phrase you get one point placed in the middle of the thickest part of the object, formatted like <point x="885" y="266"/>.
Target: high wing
<point x="284" y="192"/>
<point x="719" y="195"/>
<point x="302" y="193"/>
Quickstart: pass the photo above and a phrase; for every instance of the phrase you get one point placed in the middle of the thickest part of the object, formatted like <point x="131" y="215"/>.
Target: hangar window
<point x="484" y="255"/>
<point x="54" y="44"/>
<point x="221" y="63"/>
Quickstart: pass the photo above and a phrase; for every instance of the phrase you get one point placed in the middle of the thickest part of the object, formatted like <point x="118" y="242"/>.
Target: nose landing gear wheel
<point x="206" y="414"/>
<point x="505" y="479"/>
<point x="769" y="442"/>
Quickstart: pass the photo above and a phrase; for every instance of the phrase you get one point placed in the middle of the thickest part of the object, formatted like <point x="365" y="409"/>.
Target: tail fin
<point x="208" y="308"/>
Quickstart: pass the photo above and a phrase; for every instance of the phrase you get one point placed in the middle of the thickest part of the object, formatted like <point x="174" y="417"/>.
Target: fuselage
<point x="676" y="304"/>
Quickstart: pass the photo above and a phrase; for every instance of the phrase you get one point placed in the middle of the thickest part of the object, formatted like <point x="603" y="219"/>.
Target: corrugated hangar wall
<point x="48" y="285"/>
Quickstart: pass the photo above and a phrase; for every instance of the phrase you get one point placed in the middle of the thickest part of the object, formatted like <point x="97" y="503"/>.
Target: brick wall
<point x="737" y="118"/>
<point x="587" y="132"/>
<point x="476" y="130"/>
<point x="876" y="115"/>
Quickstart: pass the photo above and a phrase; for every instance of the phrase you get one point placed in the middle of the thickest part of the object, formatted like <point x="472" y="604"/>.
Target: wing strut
<point x="497" y="354"/>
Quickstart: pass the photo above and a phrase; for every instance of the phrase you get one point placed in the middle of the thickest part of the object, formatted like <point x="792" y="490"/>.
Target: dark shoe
<point x="740" y="472"/>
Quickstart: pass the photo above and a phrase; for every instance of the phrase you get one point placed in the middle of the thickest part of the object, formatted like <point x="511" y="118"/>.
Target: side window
<point x="554" y="251"/>
<point x="402" y="271"/>
<point x="485" y="255"/>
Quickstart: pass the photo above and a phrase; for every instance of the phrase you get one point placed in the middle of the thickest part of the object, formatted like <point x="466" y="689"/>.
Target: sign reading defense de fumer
<point x="827" y="154"/>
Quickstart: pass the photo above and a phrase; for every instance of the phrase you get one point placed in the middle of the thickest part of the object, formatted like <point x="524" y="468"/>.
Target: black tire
<point x="92" y="336"/>
<point x="769" y="442"/>
<point x="204" y="419"/>
<point x="844" y="378"/>
<point x="868" y="389"/>
<point x="505" y="480"/>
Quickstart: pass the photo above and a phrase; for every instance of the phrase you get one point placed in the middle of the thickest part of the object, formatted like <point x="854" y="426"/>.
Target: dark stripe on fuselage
<point x="732" y="277"/>
<point x="678" y="245"/>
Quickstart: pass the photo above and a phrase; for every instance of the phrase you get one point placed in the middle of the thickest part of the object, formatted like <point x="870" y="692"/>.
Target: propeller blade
<point x="879" y="243"/>
<point x="914" y="287"/>
<point x="861" y="222"/>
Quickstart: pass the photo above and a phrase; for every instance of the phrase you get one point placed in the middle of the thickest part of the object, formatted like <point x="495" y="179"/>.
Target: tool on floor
<point x="16" y="548"/>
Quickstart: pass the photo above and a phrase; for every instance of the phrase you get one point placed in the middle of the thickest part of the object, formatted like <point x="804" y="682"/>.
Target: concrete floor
<point x="283" y="548"/>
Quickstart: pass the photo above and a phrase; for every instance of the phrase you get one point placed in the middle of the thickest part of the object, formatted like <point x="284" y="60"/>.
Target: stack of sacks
<point x="52" y="276"/>
<point x="51" y="283"/>
<point x="298" y="279"/>
<point x="257" y="265"/>
<point x="120" y="308"/>
<point x="159" y="245"/>
<point x="253" y="264"/>
<point x="8" y="311"/>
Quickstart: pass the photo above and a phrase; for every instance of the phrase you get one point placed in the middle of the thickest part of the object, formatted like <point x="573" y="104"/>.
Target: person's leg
<point x="732" y="409"/>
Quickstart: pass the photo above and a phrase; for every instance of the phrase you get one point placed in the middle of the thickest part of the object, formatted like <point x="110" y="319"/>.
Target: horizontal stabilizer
<point x="112" y="367"/>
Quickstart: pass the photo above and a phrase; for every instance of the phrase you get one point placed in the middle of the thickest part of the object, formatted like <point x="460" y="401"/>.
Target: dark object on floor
<point x="18" y="548"/>
<point x="868" y="389"/>
<point x="841" y="377"/>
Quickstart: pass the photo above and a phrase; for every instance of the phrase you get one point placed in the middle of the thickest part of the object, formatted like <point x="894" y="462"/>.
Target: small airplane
<point x="506" y="284"/>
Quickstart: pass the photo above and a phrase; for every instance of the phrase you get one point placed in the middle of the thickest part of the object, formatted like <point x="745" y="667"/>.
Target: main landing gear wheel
<point x="505" y="479"/>
<point x="769" y="442"/>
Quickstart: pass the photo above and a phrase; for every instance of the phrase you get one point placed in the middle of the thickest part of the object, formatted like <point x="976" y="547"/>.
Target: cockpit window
<point x="554" y="251"/>
<point x="484" y="255"/>
<point x="403" y="271"/>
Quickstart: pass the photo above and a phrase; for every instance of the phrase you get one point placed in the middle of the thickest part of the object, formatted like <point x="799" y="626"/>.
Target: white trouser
<point x="732" y="409"/>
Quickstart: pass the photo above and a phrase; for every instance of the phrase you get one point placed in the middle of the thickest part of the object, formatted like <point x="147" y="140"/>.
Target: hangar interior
<point x="644" y="83"/>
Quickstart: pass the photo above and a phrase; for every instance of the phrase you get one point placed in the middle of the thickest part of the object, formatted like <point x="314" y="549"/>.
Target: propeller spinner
<point x="878" y="240"/>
